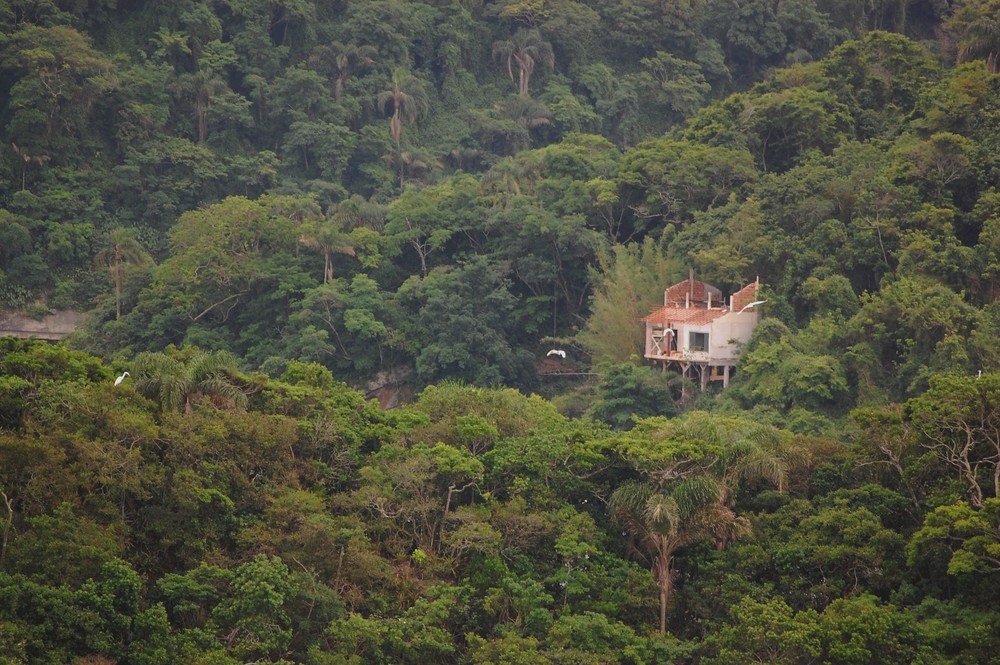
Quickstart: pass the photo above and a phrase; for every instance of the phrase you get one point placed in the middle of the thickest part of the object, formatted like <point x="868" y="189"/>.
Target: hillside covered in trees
<point x="273" y="211"/>
<point x="196" y="514"/>
<point x="413" y="192"/>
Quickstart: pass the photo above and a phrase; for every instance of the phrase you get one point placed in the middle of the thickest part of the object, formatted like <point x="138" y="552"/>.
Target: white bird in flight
<point x="121" y="378"/>
<point x="556" y="352"/>
<point x="753" y="304"/>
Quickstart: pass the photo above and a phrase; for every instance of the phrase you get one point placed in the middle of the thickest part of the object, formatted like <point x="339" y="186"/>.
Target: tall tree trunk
<point x="664" y="582"/>
<point x="996" y="479"/>
<point x="396" y="126"/>
<point x="423" y="257"/>
<point x="118" y="299"/>
<point x="117" y="278"/>
<point x="8" y="524"/>
<point x="664" y="599"/>
<point x="201" y="110"/>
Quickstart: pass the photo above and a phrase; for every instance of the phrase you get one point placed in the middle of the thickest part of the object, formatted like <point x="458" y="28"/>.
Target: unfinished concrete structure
<point x="52" y="327"/>
<point x="698" y="333"/>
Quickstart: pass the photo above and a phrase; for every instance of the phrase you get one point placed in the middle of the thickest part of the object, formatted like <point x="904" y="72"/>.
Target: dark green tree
<point x="627" y="392"/>
<point x="464" y="315"/>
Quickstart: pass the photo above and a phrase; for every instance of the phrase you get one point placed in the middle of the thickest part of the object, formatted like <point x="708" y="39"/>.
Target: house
<point x="698" y="333"/>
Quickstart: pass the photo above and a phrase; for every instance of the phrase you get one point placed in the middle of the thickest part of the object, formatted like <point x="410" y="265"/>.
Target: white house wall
<point x="721" y="332"/>
<point x="684" y="332"/>
<point x="732" y="326"/>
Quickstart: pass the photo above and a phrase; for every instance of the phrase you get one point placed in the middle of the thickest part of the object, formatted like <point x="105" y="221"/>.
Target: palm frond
<point x="695" y="494"/>
<point x="630" y="497"/>
<point x="663" y="514"/>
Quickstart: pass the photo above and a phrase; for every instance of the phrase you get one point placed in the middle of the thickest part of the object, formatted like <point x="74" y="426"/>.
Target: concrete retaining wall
<point x="53" y="327"/>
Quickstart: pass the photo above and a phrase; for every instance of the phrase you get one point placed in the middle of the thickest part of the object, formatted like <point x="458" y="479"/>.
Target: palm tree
<point x="356" y="212"/>
<point x="179" y="380"/>
<point x="526" y="48"/>
<point x="329" y="235"/>
<point x="980" y="38"/>
<point x="417" y="164"/>
<point x="120" y="246"/>
<point x="747" y="452"/>
<point x="407" y="100"/>
<point x="299" y="209"/>
<point x="201" y="87"/>
<point x="502" y="182"/>
<point x="349" y="59"/>
<point x="659" y="522"/>
<point x="25" y="160"/>
<point x="526" y="114"/>
<point x="691" y="498"/>
<point x="342" y="61"/>
<point x="287" y="10"/>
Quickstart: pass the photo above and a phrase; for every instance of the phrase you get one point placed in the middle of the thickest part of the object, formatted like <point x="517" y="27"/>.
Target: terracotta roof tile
<point x="694" y="315"/>
<point x="678" y="294"/>
<point x="745" y="296"/>
<point x="674" y="310"/>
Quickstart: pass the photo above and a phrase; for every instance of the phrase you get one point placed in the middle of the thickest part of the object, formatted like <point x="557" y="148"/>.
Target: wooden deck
<point x="698" y="366"/>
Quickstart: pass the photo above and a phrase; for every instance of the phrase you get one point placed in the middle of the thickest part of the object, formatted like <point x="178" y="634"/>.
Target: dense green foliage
<point x="289" y="520"/>
<point x="435" y="190"/>
<point x="265" y="206"/>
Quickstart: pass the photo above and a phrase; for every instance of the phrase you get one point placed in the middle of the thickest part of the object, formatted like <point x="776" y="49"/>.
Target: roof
<point x="690" y="290"/>
<point x="675" y="311"/>
<point x="746" y="295"/>
<point x="693" y="315"/>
